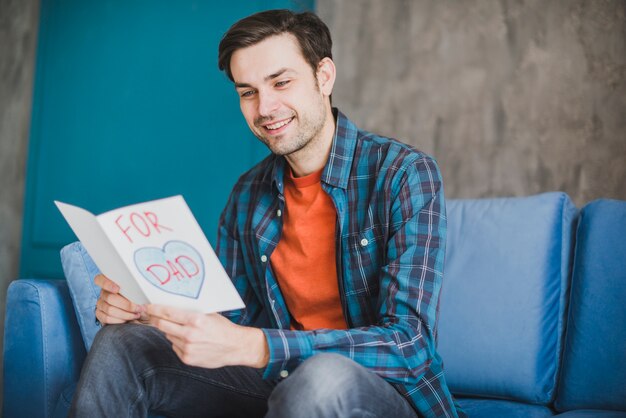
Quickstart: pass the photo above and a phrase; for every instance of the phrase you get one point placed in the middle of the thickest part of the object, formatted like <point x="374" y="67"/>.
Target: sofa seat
<point x="488" y="408"/>
<point x="592" y="413"/>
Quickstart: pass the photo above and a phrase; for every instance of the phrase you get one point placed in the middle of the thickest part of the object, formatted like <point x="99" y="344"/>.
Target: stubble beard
<point x="309" y="129"/>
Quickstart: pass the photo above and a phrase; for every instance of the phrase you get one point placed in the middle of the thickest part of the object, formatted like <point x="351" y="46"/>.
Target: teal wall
<point x="129" y="106"/>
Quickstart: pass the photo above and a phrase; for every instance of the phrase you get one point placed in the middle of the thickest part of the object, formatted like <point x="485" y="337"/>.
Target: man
<point x="335" y="243"/>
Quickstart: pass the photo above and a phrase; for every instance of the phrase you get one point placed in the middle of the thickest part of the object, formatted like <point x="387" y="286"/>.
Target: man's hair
<point x="312" y="34"/>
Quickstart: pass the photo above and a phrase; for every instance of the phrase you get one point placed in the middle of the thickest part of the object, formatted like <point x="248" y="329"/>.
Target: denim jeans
<point x="132" y="370"/>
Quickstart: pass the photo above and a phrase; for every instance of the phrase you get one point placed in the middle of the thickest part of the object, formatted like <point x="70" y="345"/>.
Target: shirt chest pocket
<point x="367" y="254"/>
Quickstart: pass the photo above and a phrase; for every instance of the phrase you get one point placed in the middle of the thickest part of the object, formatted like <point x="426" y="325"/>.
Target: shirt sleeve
<point x="401" y="344"/>
<point x="229" y="251"/>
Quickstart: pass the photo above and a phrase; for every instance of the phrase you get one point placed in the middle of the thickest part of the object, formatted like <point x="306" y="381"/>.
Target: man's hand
<point x="210" y="340"/>
<point x="113" y="308"/>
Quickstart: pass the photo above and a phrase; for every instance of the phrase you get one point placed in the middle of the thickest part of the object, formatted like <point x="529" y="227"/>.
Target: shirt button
<point x="263" y="258"/>
<point x="364" y="242"/>
<point x="284" y="373"/>
<point x="279" y="213"/>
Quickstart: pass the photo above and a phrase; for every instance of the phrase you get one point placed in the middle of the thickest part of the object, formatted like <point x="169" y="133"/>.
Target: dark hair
<point x="312" y="34"/>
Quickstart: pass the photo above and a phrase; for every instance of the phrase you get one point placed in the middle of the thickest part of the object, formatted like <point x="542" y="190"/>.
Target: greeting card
<point x="157" y="253"/>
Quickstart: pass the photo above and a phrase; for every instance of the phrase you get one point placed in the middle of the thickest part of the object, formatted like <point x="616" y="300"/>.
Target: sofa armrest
<point x="43" y="349"/>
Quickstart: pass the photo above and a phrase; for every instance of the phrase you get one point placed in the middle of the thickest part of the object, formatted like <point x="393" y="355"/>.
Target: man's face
<point x="280" y="96"/>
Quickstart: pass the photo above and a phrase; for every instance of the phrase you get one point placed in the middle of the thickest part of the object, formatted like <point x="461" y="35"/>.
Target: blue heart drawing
<point x="177" y="268"/>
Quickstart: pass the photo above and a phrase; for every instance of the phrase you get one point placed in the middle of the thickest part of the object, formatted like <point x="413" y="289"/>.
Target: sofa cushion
<point x="489" y="408"/>
<point x="80" y="271"/>
<point x="594" y="360"/>
<point x="503" y="299"/>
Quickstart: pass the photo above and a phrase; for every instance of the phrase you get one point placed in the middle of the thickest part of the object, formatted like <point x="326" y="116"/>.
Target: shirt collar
<point x="337" y="168"/>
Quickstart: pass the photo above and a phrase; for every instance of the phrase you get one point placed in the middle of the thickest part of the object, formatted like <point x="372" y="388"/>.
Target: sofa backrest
<point x="504" y="295"/>
<point x="594" y="361"/>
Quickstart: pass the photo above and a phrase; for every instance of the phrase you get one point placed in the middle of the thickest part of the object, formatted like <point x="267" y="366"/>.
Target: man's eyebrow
<point x="267" y="78"/>
<point x="278" y="73"/>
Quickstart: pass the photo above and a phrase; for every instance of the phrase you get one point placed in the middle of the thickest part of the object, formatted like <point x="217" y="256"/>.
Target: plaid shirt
<point x="390" y="245"/>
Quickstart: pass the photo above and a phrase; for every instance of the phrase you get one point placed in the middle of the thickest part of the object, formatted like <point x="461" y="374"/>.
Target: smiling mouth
<point x="273" y="127"/>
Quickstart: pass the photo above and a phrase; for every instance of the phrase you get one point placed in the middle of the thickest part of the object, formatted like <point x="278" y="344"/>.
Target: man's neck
<point x="314" y="156"/>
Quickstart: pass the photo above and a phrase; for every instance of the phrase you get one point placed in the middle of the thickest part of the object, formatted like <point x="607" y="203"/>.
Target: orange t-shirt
<point x="304" y="260"/>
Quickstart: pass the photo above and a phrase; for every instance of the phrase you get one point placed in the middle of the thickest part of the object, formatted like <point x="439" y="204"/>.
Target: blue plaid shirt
<point x="390" y="246"/>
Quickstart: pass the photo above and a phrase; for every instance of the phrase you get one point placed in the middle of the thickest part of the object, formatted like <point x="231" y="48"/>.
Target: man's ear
<point x="326" y="74"/>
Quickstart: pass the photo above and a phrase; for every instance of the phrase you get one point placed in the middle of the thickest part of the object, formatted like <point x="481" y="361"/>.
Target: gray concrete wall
<point x="512" y="97"/>
<point x="19" y="20"/>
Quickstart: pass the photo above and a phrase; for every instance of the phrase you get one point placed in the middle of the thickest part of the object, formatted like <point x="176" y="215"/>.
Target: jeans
<point x="132" y="370"/>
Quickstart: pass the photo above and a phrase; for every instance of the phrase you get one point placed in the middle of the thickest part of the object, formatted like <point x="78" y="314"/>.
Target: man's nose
<point x="268" y="103"/>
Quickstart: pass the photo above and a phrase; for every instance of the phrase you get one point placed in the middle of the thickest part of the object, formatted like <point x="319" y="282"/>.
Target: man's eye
<point x="282" y="83"/>
<point x="247" y="93"/>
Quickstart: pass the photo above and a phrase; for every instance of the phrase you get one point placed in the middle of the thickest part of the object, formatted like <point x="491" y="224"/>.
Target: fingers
<point x="176" y="341"/>
<point x="144" y="318"/>
<point x="113" y="308"/>
<point x="204" y="340"/>
<point x="179" y="316"/>
<point x="182" y="355"/>
<point x="186" y="352"/>
<point x="178" y="323"/>
<point x="169" y="328"/>
<point x="115" y="312"/>
<point x="105" y="283"/>
<point x="119" y="301"/>
<point x="106" y="319"/>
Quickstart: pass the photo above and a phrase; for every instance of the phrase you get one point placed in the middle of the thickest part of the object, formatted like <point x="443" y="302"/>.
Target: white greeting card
<point x="157" y="253"/>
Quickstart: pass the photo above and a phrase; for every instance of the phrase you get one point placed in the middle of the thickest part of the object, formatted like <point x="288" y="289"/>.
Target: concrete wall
<point x="19" y="20"/>
<point x="512" y="97"/>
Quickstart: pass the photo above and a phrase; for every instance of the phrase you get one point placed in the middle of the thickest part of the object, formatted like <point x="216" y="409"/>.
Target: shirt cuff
<point x="287" y="350"/>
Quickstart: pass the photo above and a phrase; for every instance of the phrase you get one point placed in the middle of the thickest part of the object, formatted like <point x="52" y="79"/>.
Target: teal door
<point x="129" y="106"/>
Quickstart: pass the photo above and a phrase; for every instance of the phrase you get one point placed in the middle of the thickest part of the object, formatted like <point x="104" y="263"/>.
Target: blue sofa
<point x="532" y="315"/>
